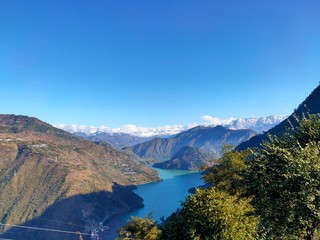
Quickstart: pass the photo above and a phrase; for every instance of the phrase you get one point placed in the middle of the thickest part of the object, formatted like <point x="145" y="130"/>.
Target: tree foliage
<point x="225" y="175"/>
<point x="280" y="183"/>
<point x="284" y="180"/>
<point x="140" y="228"/>
<point x="212" y="214"/>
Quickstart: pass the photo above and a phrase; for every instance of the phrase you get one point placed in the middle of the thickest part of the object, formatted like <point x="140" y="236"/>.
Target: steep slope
<point x="188" y="158"/>
<point x="310" y="105"/>
<point x="43" y="169"/>
<point x="209" y="139"/>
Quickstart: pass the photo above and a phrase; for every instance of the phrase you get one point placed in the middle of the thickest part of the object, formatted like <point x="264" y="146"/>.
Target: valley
<point x="50" y="178"/>
<point x="159" y="120"/>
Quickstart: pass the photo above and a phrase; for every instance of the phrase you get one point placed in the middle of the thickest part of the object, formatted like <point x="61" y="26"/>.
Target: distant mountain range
<point x="129" y="135"/>
<point x="209" y="139"/>
<point x="51" y="179"/>
<point x="259" y="125"/>
<point x="127" y="129"/>
<point x="118" y="140"/>
<point x="310" y="105"/>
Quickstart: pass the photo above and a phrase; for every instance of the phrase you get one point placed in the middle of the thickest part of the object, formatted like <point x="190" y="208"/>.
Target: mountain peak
<point x="258" y="124"/>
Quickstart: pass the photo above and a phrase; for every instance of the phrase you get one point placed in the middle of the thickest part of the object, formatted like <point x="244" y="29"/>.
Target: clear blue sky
<point x="151" y="63"/>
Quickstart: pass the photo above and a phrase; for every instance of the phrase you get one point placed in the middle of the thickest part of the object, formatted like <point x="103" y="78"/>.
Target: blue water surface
<point x="163" y="198"/>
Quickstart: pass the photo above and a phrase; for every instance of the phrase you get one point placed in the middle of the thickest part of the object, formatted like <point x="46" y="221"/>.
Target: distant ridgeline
<point x="52" y="179"/>
<point x="310" y="105"/>
<point x="207" y="140"/>
<point x="118" y="140"/>
<point x="188" y="158"/>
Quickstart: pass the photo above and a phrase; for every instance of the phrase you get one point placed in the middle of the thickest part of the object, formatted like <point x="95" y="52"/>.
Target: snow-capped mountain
<point x="259" y="125"/>
<point x="128" y="129"/>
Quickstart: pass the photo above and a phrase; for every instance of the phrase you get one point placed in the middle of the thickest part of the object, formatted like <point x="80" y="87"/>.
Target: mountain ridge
<point x="258" y="124"/>
<point x="117" y="140"/>
<point x="187" y="158"/>
<point x="209" y="139"/>
<point x="310" y="105"/>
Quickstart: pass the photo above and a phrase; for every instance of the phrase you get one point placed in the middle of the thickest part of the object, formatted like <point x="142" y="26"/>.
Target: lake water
<point x="163" y="198"/>
<point x="160" y="198"/>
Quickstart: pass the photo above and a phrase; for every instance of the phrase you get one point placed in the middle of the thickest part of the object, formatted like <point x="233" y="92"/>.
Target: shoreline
<point x="118" y="220"/>
<point x="114" y="223"/>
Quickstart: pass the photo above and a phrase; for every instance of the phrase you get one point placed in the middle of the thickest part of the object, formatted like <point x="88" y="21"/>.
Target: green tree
<point x="140" y="228"/>
<point x="211" y="214"/>
<point x="225" y="175"/>
<point x="283" y="179"/>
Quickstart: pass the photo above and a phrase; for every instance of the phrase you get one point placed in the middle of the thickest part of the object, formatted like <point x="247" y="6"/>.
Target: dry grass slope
<point x="41" y="166"/>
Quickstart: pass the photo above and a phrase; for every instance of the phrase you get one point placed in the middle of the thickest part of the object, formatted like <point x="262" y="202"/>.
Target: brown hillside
<point x="41" y="167"/>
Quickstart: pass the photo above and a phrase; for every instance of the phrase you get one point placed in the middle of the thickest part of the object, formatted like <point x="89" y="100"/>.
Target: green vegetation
<point x="283" y="179"/>
<point x="207" y="214"/>
<point x="225" y="175"/>
<point x="140" y="228"/>
<point x="267" y="193"/>
<point x="212" y="214"/>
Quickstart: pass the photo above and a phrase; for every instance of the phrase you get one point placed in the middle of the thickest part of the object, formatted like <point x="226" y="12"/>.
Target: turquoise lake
<point x="163" y="198"/>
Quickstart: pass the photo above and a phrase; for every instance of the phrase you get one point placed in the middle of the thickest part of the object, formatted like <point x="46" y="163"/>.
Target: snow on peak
<point x="128" y="129"/>
<point x="216" y="121"/>
<point x="258" y="124"/>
